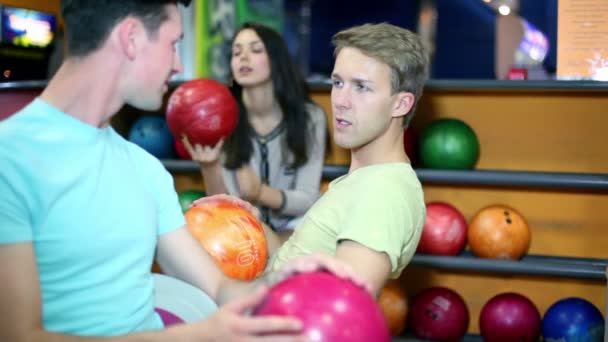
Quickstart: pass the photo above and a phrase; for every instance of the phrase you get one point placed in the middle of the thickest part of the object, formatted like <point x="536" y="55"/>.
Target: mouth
<point x="245" y="70"/>
<point x="341" y="123"/>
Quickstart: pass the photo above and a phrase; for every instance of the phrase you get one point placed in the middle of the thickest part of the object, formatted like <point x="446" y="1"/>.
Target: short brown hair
<point x="89" y="22"/>
<point x="400" y="49"/>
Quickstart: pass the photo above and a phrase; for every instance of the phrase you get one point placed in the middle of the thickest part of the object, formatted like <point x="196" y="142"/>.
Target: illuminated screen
<point x="534" y="44"/>
<point x="26" y="28"/>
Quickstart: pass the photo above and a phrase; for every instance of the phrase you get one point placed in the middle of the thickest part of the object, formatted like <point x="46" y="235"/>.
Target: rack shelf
<point x="541" y="265"/>
<point x="555" y="180"/>
<point x="584" y="268"/>
<point x="410" y="338"/>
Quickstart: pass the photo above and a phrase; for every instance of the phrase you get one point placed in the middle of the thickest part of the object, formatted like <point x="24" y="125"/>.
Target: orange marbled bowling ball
<point x="499" y="232"/>
<point x="231" y="235"/>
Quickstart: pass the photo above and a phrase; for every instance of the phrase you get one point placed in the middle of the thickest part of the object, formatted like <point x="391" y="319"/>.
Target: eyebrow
<point x="356" y="79"/>
<point x="250" y="43"/>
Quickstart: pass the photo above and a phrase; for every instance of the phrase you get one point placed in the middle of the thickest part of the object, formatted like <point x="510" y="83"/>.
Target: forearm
<point x="274" y="239"/>
<point x="231" y="288"/>
<point x="270" y="197"/>
<point x="213" y="178"/>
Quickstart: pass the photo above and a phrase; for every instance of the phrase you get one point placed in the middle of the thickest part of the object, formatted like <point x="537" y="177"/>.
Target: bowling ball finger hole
<point x="509" y="221"/>
<point x="432" y="314"/>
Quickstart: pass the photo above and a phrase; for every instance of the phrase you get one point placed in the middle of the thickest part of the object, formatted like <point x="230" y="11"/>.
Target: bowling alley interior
<point x="508" y="142"/>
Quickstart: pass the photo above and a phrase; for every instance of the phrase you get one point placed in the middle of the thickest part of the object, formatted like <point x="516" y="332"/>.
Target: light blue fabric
<point x="93" y="205"/>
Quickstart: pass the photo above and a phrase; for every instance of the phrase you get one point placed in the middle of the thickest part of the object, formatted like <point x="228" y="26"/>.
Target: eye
<point x="361" y="87"/>
<point x="337" y="83"/>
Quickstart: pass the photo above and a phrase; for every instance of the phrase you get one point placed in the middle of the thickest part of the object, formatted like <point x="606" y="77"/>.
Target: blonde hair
<point x="400" y="49"/>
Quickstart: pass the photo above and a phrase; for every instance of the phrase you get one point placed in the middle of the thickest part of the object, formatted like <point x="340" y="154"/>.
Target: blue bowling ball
<point x="152" y="134"/>
<point x="573" y="319"/>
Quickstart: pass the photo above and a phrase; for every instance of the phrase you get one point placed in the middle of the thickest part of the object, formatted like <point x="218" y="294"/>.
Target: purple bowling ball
<point x="168" y="318"/>
<point x="509" y="317"/>
<point x="330" y="308"/>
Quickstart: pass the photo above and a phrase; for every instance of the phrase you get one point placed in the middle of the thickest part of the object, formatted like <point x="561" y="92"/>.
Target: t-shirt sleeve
<point x="382" y="220"/>
<point x="170" y="214"/>
<point x="15" y="220"/>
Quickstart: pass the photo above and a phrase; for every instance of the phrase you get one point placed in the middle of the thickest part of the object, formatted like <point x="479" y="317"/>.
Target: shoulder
<point x="140" y="156"/>
<point x="21" y="135"/>
<point x="25" y="124"/>
<point x="395" y="179"/>
<point x="316" y="113"/>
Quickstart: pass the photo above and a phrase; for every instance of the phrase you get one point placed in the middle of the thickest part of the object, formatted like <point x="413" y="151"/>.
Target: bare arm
<point x="275" y="239"/>
<point x="182" y="257"/>
<point x="308" y="180"/>
<point x="372" y="266"/>
<point x="213" y="178"/>
<point x="297" y="200"/>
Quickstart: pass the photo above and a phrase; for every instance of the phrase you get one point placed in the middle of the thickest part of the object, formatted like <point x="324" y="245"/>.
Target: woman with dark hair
<point x="275" y="156"/>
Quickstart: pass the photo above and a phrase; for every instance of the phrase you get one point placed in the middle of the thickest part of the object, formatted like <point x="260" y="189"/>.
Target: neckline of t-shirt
<point x="408" y="166"/>
<point x="81" y="126"/>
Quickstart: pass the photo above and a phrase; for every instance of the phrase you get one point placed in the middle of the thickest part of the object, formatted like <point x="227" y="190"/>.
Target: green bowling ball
<point x="449" y="144"/>
<point x="188" y="196"/>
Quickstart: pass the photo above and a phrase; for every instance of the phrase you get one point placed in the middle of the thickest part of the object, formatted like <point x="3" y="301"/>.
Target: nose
<point x="340" y="97"/>
<point x="244" y="55"/>
<point x="178" y="67"/>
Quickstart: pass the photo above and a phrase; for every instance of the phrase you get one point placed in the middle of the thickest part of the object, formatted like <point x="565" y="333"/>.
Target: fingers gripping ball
<point x="202" y="109"/>
<point x="231" y="235"/>
<point x="330" y="308"/>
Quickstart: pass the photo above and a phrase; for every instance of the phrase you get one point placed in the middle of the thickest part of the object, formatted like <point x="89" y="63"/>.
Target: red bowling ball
<point x="330" y="308"/>
<point x="509" y="317"/>
<point x="181" y="150"/>
<point x="445" y="230"/>
<point x="202" y="109"/>
<point x="439" y="314"/>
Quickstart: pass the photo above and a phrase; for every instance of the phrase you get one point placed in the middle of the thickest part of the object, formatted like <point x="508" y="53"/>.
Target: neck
<point x="86" y="89"/>
<point x="387" y="148"/>
<point x="263" y="110"/>
<point x="260" y="101"/>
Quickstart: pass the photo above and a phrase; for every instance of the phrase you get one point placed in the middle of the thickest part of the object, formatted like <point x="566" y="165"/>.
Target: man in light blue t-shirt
<point x="83" y="212"/>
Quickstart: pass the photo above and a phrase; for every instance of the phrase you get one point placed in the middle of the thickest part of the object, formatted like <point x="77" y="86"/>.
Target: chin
<point x="344" y="144"/>
<point x="147" y="106"/>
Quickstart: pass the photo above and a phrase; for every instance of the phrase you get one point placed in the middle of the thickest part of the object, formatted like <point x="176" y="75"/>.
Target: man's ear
<point x="403" y="103"/>
<point x="127" y="34"/>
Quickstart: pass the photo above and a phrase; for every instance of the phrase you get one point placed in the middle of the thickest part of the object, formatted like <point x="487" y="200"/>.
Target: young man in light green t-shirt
<point x="372" y="217"/>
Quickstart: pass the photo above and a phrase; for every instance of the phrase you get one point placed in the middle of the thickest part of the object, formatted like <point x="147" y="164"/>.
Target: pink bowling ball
<point x="168" y="318"/>
<point x="330" y="308"/>
<point x="509" y="317"/>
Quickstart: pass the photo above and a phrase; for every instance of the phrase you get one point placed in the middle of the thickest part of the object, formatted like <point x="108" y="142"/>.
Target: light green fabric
<point x="380" y="206"/>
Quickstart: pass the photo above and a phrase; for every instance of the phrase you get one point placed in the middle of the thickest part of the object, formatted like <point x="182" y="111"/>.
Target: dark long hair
<point x="291" y="92"/>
